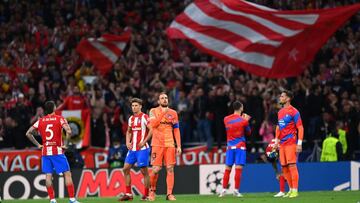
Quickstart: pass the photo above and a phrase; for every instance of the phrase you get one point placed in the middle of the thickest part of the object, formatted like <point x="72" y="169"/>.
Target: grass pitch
<point x="304" y="197"/>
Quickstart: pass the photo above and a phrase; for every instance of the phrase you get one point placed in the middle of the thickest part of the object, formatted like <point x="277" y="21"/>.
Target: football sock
<point x="153" y="180"/>
<point x="170" y="182"/>
<point x="287" y="176"/>
<point x="70" y="189"/>
<point x="51" y="193"/>
<point x="226" y="178"/>
<point x="282" y="183"/>
<point x="238" y="172"/>
<point x="146" y="193"/>
<point x="128" y="189"/>
<point x="294" y="177"/>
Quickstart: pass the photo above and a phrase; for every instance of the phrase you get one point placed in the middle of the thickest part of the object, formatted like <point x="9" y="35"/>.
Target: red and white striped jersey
<point x="138" y="124"/>
<point x="50" y="127"/>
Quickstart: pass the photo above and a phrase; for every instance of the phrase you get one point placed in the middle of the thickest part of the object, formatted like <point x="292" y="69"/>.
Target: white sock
<point x="53" y="200"/>
<point x="294" y="190"/>
<point x="72" y="199"/>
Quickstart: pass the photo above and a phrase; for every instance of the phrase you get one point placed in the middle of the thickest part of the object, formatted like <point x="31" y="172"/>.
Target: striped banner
<point x="103" y="52"/>
<point x="257" y="39"/>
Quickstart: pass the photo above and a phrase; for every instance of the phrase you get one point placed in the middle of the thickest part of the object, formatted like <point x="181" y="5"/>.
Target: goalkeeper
<point x="273" y="156"/>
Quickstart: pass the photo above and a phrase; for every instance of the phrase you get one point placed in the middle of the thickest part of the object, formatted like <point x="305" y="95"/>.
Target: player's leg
<point x="157" y="155"/>
<point x="49" y="187"/>
<point x="61" y="165"/>
<point x="170" y="161"/>
<point x="292" y="159"/>
<point x="240" y="161"/>
<point x="143" y="163"/>
<point x="129" y="162"/>
<point x="285" y="168"/>
<point x="229" y="161"/>
<point x="47" y="168"/>
<point x="128" y="194"/>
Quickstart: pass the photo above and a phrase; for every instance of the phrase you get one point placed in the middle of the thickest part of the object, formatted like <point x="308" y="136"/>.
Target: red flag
<point x="257" y="39"/>
<point x="103" y="52"/>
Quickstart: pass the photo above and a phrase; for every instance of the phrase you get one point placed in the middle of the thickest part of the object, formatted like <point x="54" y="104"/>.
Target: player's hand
<point x="298" y="148"/>
<point x="129" y="145"/>
<point x="178" y="151"/>
<point x="141" y="144"/>
<point x="64" y="147"/>
<point x="40" y="146"/>
<point x="276" y="146"/>
<point x="246" y="116"/>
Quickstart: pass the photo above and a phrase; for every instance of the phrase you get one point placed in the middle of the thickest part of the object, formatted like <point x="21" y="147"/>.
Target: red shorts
<point x="288" y="154"/>
<point x="163" y="154"/>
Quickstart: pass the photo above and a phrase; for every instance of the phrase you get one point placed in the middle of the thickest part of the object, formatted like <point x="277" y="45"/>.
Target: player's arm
<point x="67" y="131"/>
<point x="30" y="136"/>
<point x="155" y="121"/>
<point x="128" y="137"/>
<point x="147" y="138"/>
<point x="300" y="128"/>
<point x="176" y="128"/>
<point x="277" y="136"/>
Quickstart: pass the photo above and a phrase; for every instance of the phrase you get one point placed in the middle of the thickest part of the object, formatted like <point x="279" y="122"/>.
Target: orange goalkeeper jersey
<point x="163" y="132"/>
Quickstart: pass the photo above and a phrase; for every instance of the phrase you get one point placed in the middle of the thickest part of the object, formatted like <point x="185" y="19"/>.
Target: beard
<point x="164" y="105"/>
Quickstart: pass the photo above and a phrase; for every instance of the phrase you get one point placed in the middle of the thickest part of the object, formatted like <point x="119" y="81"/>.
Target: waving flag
<point x="103" y="52"/>
<point x="258" y="39"/>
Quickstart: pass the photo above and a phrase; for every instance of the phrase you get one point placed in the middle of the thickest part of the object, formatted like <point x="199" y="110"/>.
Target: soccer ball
<point x="272" y="154"/>
<point x="214" y="181"/>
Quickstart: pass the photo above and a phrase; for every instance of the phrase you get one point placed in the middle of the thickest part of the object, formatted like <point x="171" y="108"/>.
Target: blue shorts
<point x="237" y="156"/>
<point x="141" y="157"/>
<point x="57" y="163"/>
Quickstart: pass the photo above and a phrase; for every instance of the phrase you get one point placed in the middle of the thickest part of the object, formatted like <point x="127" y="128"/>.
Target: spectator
<point x="332" y="149"/>
<point x="117" y="154"/>
<point x="76" y="101"/>
<point x="201" y="115"/>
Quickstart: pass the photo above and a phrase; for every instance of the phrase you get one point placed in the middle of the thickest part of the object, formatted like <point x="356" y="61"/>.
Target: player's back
<point x="236" y="127"/>
<point x="163" y="134"/>
<point x="50" y="129"/>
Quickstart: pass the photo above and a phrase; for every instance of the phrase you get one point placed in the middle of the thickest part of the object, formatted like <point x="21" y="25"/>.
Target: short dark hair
<point x="49" y="107"/>
<point x="237" y="105"/>
<point x="288" y="94"/>
<point x="136" y="100"/>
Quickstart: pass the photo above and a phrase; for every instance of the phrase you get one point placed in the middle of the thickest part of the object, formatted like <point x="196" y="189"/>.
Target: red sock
<point x="51" y="193"/>
<point x="226" y="178"/>
<point x="282" y="183"/>
<point x="128" y="189"/>
<point x="146" y="192"/>
<point x="153" y="180"/>
<point x="238" y="172"/>
<point x="70" y="189"/>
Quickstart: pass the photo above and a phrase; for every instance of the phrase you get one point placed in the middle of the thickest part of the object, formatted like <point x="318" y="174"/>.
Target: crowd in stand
<point x="38" y="62"/>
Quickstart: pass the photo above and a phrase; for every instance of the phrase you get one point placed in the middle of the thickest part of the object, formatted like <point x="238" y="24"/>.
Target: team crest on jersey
<point x="169" y="116"/>
<point x="284" y="121"/>
<point x="77" y="129"/>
